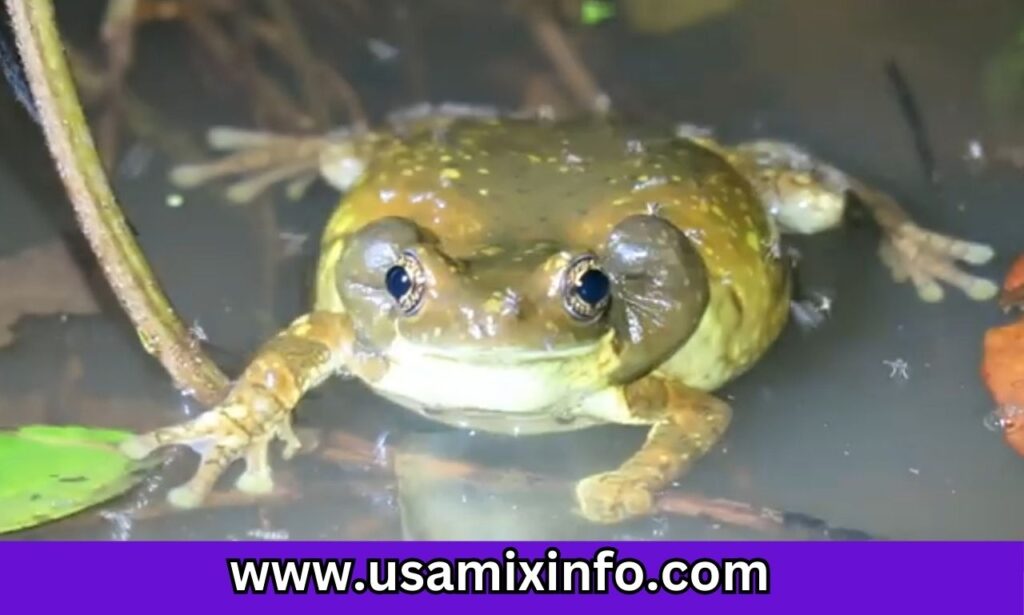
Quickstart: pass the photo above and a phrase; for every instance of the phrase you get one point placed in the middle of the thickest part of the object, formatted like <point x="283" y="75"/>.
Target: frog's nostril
<point x="511" y="304"/>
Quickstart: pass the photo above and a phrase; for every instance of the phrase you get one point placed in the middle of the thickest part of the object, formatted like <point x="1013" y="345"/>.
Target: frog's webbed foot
<point x="685" y="425"/>
<point x="927" y="258"/>
<point x="924" y="257"/>
<point x="242" y="428"/>
<point x="263" y="159"/>
<point x="257" y="409"/>
<point x="806" y="195"/>
<point x="614" y="496"/>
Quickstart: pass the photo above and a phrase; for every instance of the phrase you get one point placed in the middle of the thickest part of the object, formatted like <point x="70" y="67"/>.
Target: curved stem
<point x="124" y="266"/>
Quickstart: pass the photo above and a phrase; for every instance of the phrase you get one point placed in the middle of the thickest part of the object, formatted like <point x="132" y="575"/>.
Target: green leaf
<point x="1003" y="82"/>
<point x="593" y="12"/>
<point x="50" y="472"/>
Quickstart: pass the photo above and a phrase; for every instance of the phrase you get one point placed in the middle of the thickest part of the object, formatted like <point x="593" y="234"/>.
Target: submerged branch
<point x="348" y="449"/>
<point x="125" y="268"/>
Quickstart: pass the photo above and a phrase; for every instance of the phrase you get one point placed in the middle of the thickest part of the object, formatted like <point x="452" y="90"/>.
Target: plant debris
<point x="41" y="281"/>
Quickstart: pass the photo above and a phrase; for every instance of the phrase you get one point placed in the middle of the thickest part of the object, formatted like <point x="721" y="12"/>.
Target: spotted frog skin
<point x="519" y="275"/>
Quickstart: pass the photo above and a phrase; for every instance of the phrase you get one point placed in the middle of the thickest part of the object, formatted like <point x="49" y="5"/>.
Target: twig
<point x="118" y="34"/>
<point x="125" y="268"/>
<point x="318" y="77"/>
<point x="141" y="119"/>
<point x="412" y="55"/>
<point x="237" y="66"/>
<point x="293" y="47"/>
<point x="566" y="61"/>
<point x="912" y="113"/>
<point x="1012" y="155"/>
<point x="343" y="92"/>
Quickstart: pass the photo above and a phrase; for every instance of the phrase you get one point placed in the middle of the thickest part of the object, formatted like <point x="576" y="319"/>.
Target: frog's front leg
<point x="258" y="407"/>
<point x="806" y="195"/>
<point x="685" y="424"/>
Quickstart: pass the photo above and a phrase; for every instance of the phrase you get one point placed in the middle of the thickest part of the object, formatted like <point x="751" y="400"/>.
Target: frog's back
<point x="483" y="184"/>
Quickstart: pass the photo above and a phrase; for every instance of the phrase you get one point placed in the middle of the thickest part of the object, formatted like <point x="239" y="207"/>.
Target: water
<point x="875" y="421"/>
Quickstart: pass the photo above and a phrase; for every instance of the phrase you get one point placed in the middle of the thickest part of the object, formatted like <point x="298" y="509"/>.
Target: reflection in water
<point x="822" y="427"/>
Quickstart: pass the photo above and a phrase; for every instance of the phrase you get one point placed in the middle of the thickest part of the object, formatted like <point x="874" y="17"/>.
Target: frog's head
<point x="636" y="297"/>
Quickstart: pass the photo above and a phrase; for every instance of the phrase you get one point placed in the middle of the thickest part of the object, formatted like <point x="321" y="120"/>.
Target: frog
<point x="524" y="275"/>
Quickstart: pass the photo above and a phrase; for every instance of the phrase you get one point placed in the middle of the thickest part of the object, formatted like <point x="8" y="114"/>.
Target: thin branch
<point x="560" y="52"/>
<point x="71" y="145"/>
<point x="237" y="66"/>
<point x="144" y="122"/>
<point x="293" y="47"/>
<point x="118" y="35"/>
<point x="319" y="78"/>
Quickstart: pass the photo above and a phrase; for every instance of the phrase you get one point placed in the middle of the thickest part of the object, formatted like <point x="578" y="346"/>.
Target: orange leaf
<point x="1003" y="363"/>
<point x="1015" y="277"/>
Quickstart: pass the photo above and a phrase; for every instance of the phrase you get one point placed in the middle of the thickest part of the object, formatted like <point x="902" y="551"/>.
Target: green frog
<point x="527" y="275"/>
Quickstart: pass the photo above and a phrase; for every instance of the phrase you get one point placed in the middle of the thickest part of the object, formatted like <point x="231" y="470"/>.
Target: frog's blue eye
<point x="404" y="281"/>
<point x="398" y="282"/>
<point x="593" y="286"/>
<point x="587" y="289"/>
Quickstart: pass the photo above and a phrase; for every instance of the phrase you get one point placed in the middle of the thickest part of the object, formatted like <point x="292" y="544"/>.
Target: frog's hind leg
<point x="685" y="424"/>
<point x="805" y="195"/>
<point x="264" y="159"/>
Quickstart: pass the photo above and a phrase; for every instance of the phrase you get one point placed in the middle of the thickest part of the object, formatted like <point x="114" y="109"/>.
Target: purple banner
<point x="852" y="577"/>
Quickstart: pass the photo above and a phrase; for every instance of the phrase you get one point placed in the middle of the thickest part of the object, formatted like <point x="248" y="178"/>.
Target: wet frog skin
<point x="522" y="275"/>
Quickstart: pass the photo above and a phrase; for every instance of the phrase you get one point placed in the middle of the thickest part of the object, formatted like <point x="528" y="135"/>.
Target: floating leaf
<point x="50" y="472"/>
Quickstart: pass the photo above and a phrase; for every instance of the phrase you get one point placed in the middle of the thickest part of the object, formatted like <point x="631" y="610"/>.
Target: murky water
<point x="825" y="426"/>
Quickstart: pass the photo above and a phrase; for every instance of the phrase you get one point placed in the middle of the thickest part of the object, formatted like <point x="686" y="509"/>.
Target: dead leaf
<point x="1003" y="363"/>
<point x="41" y="281"/>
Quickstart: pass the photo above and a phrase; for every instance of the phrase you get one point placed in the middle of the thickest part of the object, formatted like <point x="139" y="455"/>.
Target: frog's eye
<point x="405" y="282"/>
<point x="586" y="289"/>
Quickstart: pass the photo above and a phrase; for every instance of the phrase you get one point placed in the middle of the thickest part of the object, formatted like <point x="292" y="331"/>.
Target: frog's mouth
<point x="497" y="355"/>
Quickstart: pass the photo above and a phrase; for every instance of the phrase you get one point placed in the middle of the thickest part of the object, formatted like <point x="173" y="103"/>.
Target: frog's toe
<point x="292" y="443"/>
<point x="928" y="259"/>
<point x="612" y="497"/>
<point x="256" y="479"/>
<point x="982" y="290"/>
<point x="255" y="483"/>
<point x="230" y="138"/>
<point x="192" y="434"/>
<point x="139" y="447"/>
<point x="185" y="496"/>
<point x="220" y="436"/>
<point x="951" y="247"/>
<point x="212" y="464"/>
